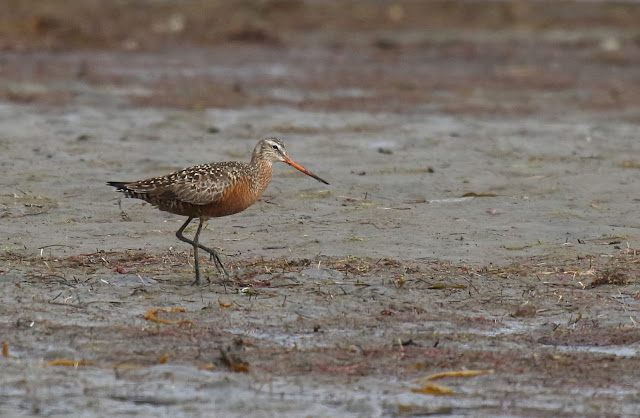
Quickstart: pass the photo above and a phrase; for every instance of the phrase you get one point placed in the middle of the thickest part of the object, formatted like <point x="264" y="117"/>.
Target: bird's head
<point x="272" y="149"/>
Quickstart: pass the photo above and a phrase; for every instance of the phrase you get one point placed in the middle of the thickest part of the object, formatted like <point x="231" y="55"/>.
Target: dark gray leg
<point x="195" y="252"/>
<point x="195" y="244"/>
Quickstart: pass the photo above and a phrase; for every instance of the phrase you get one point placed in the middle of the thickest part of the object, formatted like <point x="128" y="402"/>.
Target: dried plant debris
<point x="69" y="363"/>
<point x="5" y="350"/>
<point x="430" y="388"/>
<point x="614" y="277"/>
<point x="151" y="315"/>
<point x="455" y="373"/>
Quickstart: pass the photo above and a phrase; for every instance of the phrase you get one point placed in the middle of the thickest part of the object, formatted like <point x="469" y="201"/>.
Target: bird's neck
<point x="261" y="163"/>
<point x="263" y="168"/>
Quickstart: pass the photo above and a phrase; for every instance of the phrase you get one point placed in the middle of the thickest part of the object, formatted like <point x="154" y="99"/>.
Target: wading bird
<point x="212" y="190"/>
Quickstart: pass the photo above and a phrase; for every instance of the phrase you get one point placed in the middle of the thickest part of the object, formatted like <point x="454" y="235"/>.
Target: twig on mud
<point x="67" y="304"/>
<point x="61" y="279"/>
<point x="55" y="245"/>
<point x="471" y="284"/>
<point x="125" y="217"/>
<point x="369" y="223"/>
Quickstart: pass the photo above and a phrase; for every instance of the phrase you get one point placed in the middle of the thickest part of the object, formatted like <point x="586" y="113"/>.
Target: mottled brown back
<point x="206" y="190"/>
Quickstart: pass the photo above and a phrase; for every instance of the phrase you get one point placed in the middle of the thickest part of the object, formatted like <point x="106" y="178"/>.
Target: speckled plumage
<point x="212" y="190"/>
<point x="206" y="190"/>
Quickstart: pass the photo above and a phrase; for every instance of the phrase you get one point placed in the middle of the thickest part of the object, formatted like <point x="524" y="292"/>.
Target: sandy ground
<point x="482" y="215"/>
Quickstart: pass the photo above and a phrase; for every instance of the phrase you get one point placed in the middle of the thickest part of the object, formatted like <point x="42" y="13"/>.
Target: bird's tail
<point x="120" y="185"/>
<point x="123" y="187"/>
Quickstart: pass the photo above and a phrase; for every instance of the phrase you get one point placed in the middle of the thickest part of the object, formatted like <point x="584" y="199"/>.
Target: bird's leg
<point x="213" y="253"/>
<point x="218" y="263"/>
<point x="214" y="256"/>
<point x="193" y="244"/>
<point x="216" y="260"/>
<point x="195" y="251"/>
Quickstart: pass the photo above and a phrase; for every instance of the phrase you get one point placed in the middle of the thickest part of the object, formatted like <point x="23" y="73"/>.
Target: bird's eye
<point x="275" y="147"/>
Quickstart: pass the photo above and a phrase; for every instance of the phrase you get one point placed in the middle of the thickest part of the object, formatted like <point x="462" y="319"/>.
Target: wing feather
<point x="199" y="185"/>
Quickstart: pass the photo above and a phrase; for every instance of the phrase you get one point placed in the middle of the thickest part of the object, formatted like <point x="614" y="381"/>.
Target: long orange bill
<point x="304" y="170"/>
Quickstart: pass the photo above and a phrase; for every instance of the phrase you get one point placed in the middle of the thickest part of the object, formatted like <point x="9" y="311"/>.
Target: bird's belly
<point x="234" y="199"/>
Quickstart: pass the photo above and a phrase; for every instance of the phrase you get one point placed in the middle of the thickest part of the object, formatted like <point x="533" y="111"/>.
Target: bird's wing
<point x="199" y="185"/>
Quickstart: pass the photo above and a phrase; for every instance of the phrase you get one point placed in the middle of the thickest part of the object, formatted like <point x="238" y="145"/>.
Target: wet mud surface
<point x="482" y="212"/>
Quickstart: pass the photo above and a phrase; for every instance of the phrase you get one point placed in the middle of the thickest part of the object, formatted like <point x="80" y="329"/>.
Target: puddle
<point x="615" y="350"/>
<point x="451" y="200"/>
